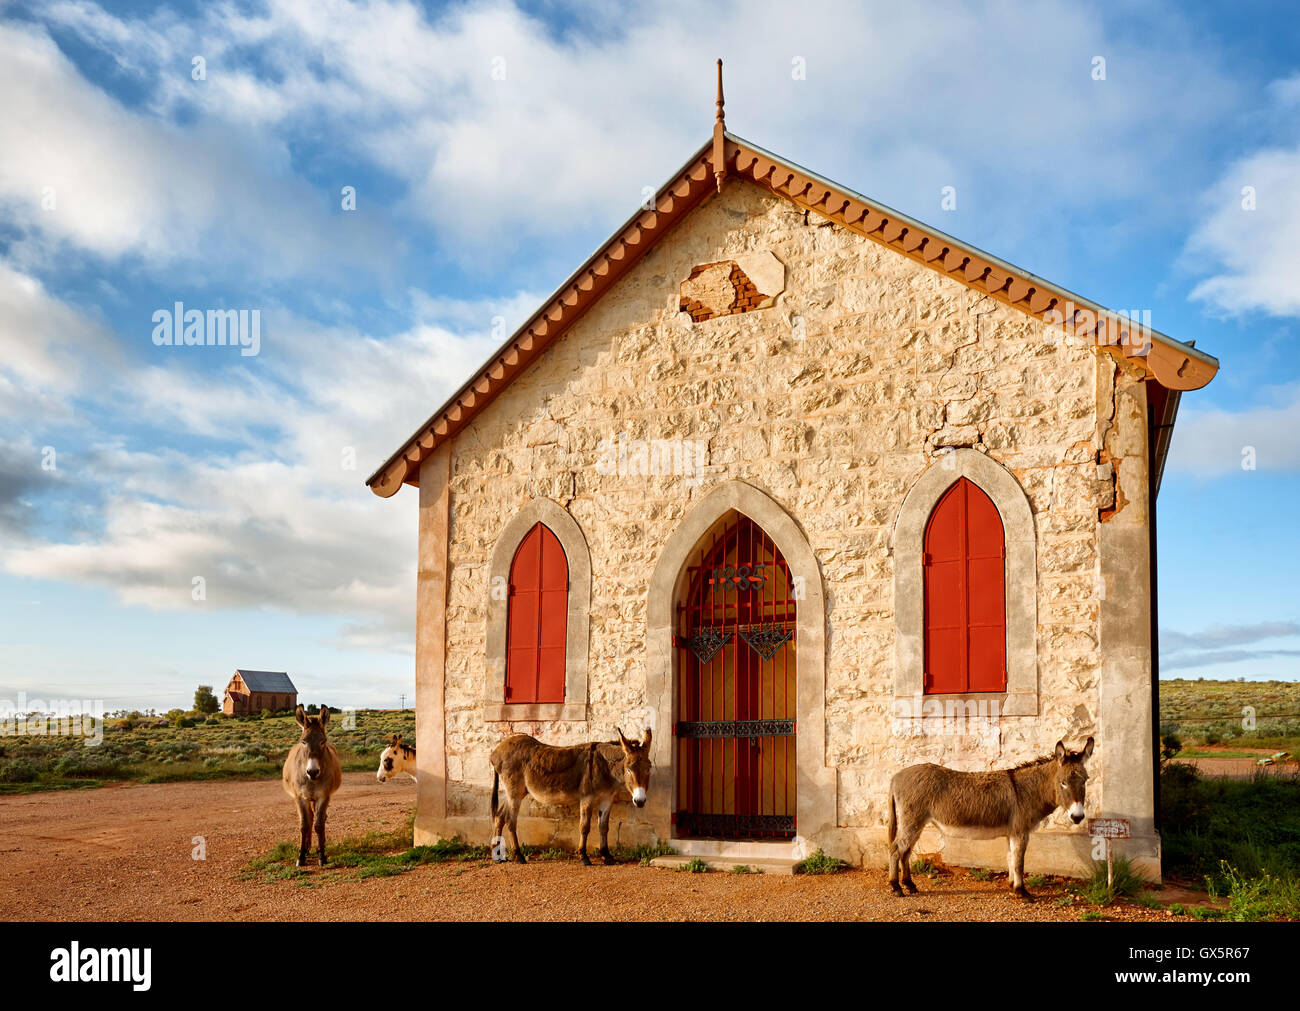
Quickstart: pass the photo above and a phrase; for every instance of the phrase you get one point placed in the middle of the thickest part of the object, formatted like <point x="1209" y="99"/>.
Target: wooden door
<point x="737" y="690"/>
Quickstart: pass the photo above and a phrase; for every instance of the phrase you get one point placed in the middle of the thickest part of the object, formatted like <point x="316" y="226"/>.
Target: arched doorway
<point x="736" y="688"/>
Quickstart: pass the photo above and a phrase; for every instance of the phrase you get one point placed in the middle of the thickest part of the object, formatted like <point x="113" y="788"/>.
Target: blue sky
<point x="151" y="154"/>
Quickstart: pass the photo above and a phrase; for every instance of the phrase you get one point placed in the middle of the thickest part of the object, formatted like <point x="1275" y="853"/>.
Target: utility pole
<point x="403" y="698"/>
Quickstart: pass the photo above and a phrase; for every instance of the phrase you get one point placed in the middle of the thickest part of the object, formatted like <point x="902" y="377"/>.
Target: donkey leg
<point x="584" y="828"/>
<point x="604" y="833"/>
<point x="516" y="791"/>
<point x="1016" y="864"/>
<point x="320" y="828"/>
<point x="513" y="823"/>
<point x="304" y="831"/>
<point x="907" y="838"/>
<point x="498" y="834"/>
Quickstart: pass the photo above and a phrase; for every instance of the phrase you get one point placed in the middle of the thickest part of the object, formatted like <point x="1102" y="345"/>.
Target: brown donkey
<point x="311" y="775"/>
<point x="983" y="805"/>
<point x="591" y="775"/>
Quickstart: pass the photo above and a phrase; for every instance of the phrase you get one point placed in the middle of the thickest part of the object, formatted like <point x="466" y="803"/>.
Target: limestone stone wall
<point x="833" y="401"/>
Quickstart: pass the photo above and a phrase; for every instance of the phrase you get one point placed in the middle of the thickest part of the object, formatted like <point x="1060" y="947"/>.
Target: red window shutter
<point x="537" y="623"/>
<point x="965" y="594"/>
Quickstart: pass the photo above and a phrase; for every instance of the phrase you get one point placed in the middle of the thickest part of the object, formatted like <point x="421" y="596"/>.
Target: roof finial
<point x="720" y="117"/>
<point x="719" y="137"/>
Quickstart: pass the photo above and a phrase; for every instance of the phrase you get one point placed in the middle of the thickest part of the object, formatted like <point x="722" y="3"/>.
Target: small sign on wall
<point x="1109" y="828"/>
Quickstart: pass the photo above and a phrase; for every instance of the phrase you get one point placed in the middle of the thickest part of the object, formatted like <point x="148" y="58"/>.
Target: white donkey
<point x="397" y="758"/>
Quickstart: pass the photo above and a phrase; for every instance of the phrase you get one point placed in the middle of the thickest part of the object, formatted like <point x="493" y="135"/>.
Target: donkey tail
<point x="893" y="817"/>
<point x="496" y="781"/>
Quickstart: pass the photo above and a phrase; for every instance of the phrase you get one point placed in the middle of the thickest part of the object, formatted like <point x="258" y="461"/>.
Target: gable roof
<point x="267" y="681"/>
<point x="1174" y="364"/>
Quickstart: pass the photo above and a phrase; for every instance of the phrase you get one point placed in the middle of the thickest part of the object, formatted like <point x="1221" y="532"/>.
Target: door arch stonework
<point x="816" y="810"/>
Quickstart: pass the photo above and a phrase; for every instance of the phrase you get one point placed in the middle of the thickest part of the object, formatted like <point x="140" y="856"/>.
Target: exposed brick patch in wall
<point x="1110" y="498"/>
<point x="744" y="296"/>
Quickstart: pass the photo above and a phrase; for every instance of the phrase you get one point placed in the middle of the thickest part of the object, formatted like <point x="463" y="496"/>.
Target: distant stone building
<point x="819" y="491"/>
<point x="251" y="691"/>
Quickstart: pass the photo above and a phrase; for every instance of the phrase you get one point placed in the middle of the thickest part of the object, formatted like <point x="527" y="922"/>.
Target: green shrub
<point x="1253" y="825"/>
<point x="644" y="853"/>
<point x="820" y="863"/>
<point x="89" y="765"/>
<point x="1127" y="882"/>
<point x="1256" y="898"/>
<point x="19" y="770"/>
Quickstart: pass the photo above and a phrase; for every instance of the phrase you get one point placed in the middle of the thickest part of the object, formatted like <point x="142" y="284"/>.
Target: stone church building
<point x="816" y="492"/>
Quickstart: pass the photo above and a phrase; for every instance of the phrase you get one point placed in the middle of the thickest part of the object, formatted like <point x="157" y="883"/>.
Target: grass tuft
<point x="644" y="853"/>
<point x="374" y="855"/>
<point x="1127" y="883"/>
<point x="820" y="863"/>
<point x="1251" y="899"/>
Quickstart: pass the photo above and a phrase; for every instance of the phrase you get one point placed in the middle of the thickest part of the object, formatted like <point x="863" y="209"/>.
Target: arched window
<point x="965" y="594"/>
<point x="538" y="619"/>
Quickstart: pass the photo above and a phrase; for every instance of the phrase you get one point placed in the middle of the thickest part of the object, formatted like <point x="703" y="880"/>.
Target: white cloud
<point x="81" y="169"/>
<point x="47" y="348"/>
<point x="584" y="118"/>
<point x="1252" y="249"/>
<point x="1213" y="441"/>
<point x="278" y="521"/>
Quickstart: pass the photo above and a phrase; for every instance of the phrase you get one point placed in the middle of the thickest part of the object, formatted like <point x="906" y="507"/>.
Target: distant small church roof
<point x="267" y="681"/>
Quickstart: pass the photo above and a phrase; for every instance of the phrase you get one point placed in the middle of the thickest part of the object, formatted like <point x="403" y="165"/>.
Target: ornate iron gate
<point x="736" y="691"/>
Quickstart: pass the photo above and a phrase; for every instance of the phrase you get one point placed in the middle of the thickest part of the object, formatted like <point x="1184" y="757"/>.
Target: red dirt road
<point x="124" y="853"/>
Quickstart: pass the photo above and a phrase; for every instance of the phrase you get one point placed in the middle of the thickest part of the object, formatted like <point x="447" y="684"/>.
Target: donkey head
<point x="636" y="767"/>
<point x="313" y="737"/>
<point x="393" y="760"/>
<point x="1070" y="779"/>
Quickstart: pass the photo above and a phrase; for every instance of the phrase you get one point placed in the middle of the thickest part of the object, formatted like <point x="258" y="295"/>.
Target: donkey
<point x="983" y="805"/>
<point x="593" y="775"/>
<point x="311" y="775"/>
<point x="396" y="758"/>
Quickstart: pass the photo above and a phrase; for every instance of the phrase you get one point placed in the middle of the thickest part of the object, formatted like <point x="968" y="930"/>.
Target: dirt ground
<point x="1240" y="768"/>
<point x="125" y="853"/>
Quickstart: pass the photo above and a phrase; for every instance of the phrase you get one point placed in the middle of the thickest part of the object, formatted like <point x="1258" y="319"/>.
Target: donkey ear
<point x="1060" y="751"/>
<point x="324" y="715"/>
<point x="645" y="741"/>
<point x="627" y="745"/>
<point x="1087" y="749"/>
<point x="300" y="714"/>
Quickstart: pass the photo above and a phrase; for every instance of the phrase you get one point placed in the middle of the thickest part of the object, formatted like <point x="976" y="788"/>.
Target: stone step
<point x="763" y="865"/>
